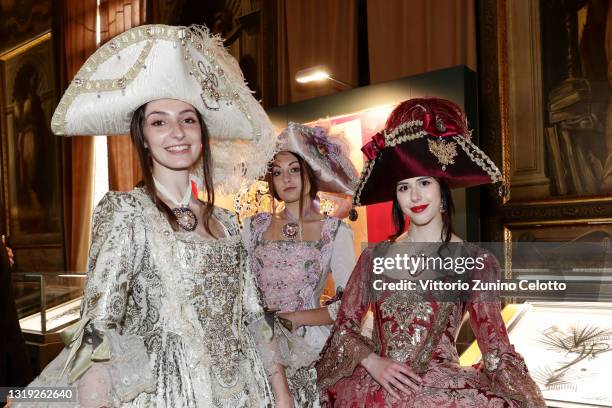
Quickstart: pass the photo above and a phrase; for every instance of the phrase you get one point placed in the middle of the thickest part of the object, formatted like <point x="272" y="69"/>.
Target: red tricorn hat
<point x="423" y="137"/>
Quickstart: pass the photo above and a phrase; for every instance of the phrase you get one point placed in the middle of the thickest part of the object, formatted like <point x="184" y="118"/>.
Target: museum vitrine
<point x="47" y="303"/>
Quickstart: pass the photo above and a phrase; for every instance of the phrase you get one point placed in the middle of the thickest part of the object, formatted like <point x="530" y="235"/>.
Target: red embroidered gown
<point x="421" y="333"/>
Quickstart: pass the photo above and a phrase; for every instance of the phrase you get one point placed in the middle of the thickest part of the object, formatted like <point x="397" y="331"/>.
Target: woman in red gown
<point x="411" y="360"/>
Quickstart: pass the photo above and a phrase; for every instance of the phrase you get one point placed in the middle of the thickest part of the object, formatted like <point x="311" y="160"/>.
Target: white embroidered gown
<point x="175" y="309"/>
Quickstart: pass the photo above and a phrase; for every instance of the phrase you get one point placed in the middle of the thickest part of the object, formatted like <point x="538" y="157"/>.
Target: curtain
<point x="78" y="42"/>
<point x="408" y="37"/>
<point x="117" y="16"/>
<point x="405" y="37"/>
<point x="315" y="32"/>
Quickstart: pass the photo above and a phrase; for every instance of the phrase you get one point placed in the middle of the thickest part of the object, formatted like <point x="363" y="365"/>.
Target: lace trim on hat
<point x="410" y="130"/>
<point x="480" y="158"/>
<point x="365" y="175"/>
<point x="219" y="78"/>
<point x="328" y="159"/>
<point x="405" y="132"/>
<point x="332" y="151"/>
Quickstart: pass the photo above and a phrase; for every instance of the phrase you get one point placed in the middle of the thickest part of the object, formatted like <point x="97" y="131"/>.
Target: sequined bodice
<point x="214" y="291"/>
<point x="403" y="320"/>
<point x="417" y="327"/>
<point x="289" y="273"/>
<point x="186" y="300"/>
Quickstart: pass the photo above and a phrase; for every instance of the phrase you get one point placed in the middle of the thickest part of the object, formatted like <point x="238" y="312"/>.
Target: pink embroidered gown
<point x="421" y="333"/>
<point x="292" y="276"/>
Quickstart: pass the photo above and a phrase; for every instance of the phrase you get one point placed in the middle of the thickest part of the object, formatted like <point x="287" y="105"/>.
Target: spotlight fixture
<point x="317" y="73"/>
<point x="312" y="74"/>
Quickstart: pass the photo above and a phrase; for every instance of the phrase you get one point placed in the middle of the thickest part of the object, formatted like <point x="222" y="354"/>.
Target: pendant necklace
<point x="291" y="229"/>
<point x="185" y="217"/>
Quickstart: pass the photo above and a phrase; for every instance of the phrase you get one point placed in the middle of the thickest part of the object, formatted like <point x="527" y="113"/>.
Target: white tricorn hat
<point x="153" y="62"/>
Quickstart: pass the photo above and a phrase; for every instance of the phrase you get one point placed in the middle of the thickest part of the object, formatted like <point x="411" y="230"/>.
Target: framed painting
<point x="30" y="152"/>
<point x="22" y="20"/>
<point x="544" y="101"/>
<point x="566" y="231"/>
<point x="555" y="99"/>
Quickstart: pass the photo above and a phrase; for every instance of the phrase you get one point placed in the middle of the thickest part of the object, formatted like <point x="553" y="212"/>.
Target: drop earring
<point x="442" y="208"/>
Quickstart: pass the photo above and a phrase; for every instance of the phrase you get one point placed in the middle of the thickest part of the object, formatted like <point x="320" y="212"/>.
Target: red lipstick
<point x="419" y="208"/>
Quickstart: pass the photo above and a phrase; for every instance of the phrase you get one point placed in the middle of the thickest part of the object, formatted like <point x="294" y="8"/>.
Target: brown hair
<point x="306" y="173"/>
<point x="146" y="165"/>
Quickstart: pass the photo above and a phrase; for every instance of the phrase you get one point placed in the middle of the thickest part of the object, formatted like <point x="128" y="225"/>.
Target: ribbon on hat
<point x="437" y="127"/>
<point x="322" y="143"/>
<point x="374" y="146"/>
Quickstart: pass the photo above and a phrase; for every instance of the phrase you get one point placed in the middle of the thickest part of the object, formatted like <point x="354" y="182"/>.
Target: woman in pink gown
<point x="411" y="360"/>
<point x="292" y="253"/>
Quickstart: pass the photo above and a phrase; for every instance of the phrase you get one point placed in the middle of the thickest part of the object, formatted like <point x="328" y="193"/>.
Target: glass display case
<point x="47" y="302"/>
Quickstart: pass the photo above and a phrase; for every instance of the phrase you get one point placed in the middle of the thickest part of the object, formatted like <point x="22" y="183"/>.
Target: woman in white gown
<point x="168" y="298"/>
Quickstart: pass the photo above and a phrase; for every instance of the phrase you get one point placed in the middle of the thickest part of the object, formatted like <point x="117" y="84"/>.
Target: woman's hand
<point x="313" y="317"/>
<point x="293" y="317"/>
<point x="391" y="375"/>
<point x="11" y="256"/>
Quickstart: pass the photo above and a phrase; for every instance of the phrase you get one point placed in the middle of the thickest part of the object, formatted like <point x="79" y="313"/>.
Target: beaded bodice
<point x="290" y="273"/>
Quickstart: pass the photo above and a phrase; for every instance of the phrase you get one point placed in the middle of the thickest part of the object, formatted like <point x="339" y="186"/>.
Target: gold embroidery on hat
<point x="207" y="75"/>
<point x="209" y="82"/>
<point x="405" y="132"/>
<point x="480" y="158"/>
<point x="444" y="151"/>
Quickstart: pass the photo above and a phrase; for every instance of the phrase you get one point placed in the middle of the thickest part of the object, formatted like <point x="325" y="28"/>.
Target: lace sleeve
<point x="252" y="298"/>
<point x="346" y="347"/>
<point x="504" y="367"/>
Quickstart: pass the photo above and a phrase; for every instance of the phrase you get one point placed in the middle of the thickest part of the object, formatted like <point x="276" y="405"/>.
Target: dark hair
<point x="446" y="199"/>
<point x="306" y="173"/>
<point x="146" y="165"/>
<point x="399" y="219"/>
